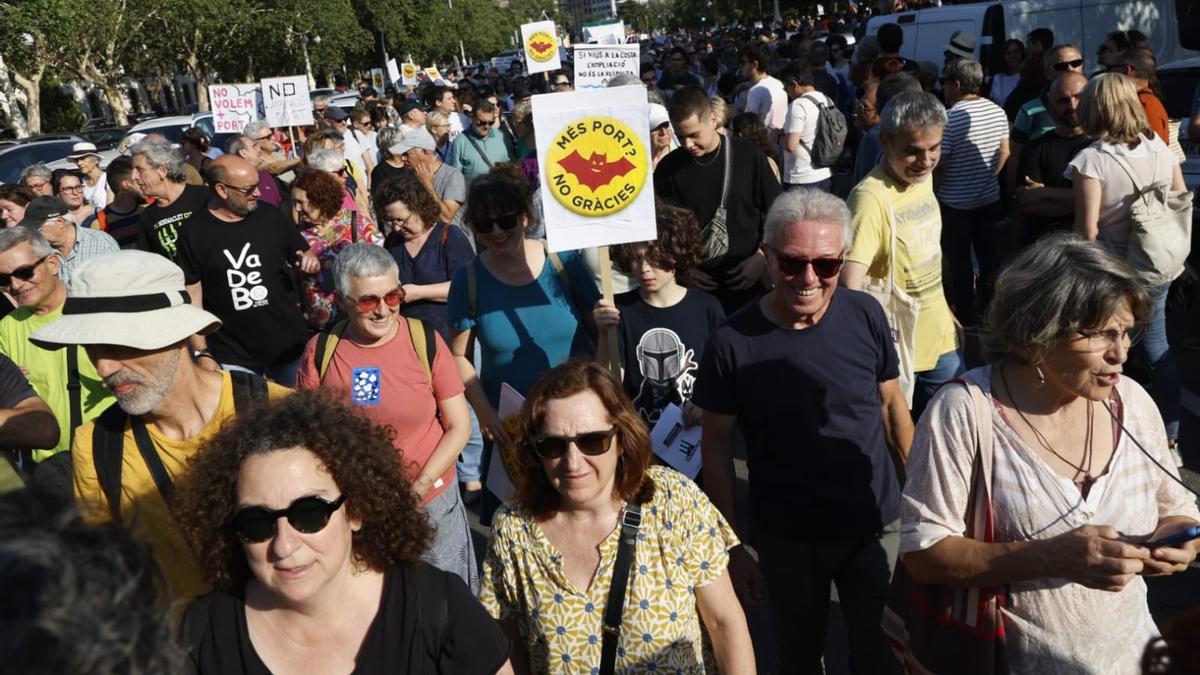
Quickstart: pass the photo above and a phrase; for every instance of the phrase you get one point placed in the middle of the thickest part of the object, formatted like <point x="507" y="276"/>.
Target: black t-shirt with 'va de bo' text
<point x="661" y="348"/>
<point x="159" y="227"/>
<point x="808" y="404"/>
<point x="245" y="271"/>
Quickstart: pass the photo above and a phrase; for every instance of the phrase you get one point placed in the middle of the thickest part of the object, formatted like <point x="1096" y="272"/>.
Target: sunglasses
<point x="1062" y="66"/>
<point x="505" y="222"/>
<point x="825" y="268"/>
<point x="368" y="303"/>
<point x="485" y="123"/>
<point x="592" y="443"/>
<point x="308" y="515"/>
<point x="24" y="273"/>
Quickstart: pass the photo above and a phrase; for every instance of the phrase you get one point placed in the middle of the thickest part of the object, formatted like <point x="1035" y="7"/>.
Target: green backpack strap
<point x="424" y="344"/>
<point x="327" y="342"/>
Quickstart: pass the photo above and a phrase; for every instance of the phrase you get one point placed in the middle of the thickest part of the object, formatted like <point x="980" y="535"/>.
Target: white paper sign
<point x="675" y="444"/>
<point x="286" y="101"/>
<point x="595" y="65"/>
<point x="377" y="80"/>
<point x="607" y="34"/>
<point x="541" y="47"/>
<point x="498" y="480"/>
<point x="408" y="73"/>
<point x="594" y="149"/>
<point x="393" y="72"/>
<point x="234" y="106"/>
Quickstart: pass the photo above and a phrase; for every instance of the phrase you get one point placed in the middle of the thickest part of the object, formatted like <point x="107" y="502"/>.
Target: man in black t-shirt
<point x="237" y="257"/>
<point x="27" y="424"/>
<point x="809" y="375"/>
<point x="1044" y="194"/>
<point x="692" y="176"/>
<point x="161" y="174"/>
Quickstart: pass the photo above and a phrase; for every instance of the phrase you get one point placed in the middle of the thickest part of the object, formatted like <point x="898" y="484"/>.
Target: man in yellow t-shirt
<point x="130" y="312"/>
<point x="899" y="193"/>
<point x="29" y="272"/>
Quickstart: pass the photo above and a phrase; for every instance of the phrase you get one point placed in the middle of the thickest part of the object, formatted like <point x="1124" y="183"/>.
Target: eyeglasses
<point x="36" y="186"/>
<point x="1103" y="340"/>
<point x="368" y="303"/>
<point x="1063" y="66"/>
<point x="505" y="222"/>
<point x="388" y="220"/>
<point x="246" y="191"/>
<point x="485" y="123"/>
<point x="591" y="443"/>
<point x="825" y="268"/>
<point x="24" y="273"/>
<point x="70" y="188"/>
<point x="308" y="515"/>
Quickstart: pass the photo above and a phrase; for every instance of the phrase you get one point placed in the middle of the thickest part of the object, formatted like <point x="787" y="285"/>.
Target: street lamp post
<point x="316" y="40"/>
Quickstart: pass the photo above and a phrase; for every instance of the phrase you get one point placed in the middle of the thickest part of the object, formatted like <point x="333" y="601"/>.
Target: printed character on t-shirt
<point x="666" y="366"/>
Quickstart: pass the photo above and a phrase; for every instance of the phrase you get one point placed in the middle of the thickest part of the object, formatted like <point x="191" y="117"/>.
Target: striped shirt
<point x="975" y="128"/>
<point x="89" y="244"/>
<point x="1054" y="625"/>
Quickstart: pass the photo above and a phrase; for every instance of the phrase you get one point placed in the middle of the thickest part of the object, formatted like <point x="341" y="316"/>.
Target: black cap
<point x="42" y="209"/>
<point x="336" y="114"/>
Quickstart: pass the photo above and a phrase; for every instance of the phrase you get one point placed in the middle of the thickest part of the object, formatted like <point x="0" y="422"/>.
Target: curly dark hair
<point x="678" y="247"/>
<point x="494" y="194"/>
<point x="405" y="187"/>
<point x="533" y="491"/>
<point x="358" y="454"/>
<point x="322" y="189"/>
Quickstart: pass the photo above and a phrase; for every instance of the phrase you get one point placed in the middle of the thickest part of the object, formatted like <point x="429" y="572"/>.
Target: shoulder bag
<point x="631" y="522"/>
<point x="1161" y="221"/>
<point x="937" y="629"/>
<point x="715" y="233"/>
<point x="902" y="311"/>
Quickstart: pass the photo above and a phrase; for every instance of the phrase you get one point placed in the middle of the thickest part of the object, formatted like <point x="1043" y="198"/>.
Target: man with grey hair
<point x="809" y="375"/>
<point x="160" y="172"/>
<point x="974" y="150"/>
<point x="870" y="151"/>
<point x="270" y="190"/>
<point x="897" y="241"/>
<point x="443" y="182"/>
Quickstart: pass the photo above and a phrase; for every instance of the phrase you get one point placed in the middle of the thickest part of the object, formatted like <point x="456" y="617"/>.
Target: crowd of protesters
<point x="254" y="392"/>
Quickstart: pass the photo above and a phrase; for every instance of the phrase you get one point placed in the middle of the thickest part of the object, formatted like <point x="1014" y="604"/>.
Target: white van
<point x="1084" y="23"/>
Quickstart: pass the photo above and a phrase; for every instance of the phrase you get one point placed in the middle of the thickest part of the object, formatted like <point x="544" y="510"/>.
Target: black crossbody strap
<point x="631" y="522"/>
<point x="108" y="446"/>
<point x="248" y="388"/>
<point x="154" y="463"/>
<point x="74" y="391"/>
<point x="479" y="149"/>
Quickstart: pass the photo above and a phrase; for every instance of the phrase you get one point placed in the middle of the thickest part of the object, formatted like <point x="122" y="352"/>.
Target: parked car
<point x="16" y="156"/>
<point x="105" y="138"/>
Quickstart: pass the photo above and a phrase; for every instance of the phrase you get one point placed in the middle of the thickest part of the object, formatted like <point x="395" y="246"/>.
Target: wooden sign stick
<point x="606" y="286"/>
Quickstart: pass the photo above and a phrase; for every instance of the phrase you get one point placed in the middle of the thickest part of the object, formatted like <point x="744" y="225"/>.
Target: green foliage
<point x="60" y="111"/>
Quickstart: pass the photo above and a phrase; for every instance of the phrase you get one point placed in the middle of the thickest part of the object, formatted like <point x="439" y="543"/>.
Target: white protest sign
<point x="433" y="74"/>
<point x="541" y="47"/>
<point x="286" y="101"/>
<point x="408" y="73"/>
<point x="607" y="34"/>
<point x="498" y="480"/>
<point x="675" y="444"/>
<point x="595" y="65"/>
<point x="377" y="80"/>
<point x="234" y="106"/>
<point x="393" y="72"/>
<point x="594" y="147"/>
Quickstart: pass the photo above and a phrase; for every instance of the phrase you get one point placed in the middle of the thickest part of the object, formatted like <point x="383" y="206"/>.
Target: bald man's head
<point x="1064" y="98"/>
<point x="234" y="182"/>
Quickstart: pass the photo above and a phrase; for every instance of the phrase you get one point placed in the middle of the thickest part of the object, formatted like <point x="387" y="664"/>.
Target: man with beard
<point x="238" y="257"/>
<point x="1044" y="194"/>
<point x="125" y="461"/>
<point x="66" y="380"/>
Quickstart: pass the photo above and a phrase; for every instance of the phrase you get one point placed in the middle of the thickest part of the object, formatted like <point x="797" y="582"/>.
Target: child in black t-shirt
<point x="662" y="326"/>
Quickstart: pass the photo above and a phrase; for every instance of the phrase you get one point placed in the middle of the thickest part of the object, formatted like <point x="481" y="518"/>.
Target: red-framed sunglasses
<point x="368" y="303"/>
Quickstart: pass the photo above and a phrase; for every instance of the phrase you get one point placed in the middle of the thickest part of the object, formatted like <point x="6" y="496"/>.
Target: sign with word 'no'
<point x="286" y="101"/>
<point x="234" y="106"/>
<point x="595" y="65"/>
<point x="541" y="47"/>
<point x="594" y="147"/>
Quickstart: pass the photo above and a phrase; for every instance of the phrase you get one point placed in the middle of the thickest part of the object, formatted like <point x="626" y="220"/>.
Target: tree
<point x="35" y="34"/>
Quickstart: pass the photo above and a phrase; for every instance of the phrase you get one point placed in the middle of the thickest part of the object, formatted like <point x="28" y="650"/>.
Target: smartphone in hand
<point x="1175" y="539"/>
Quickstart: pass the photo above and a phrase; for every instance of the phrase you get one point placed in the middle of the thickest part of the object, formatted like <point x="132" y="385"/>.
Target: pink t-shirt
<point x="388" y="383"/>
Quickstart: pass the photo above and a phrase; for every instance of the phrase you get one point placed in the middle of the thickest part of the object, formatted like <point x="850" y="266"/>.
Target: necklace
<point x="1088" y="455"/>
<point x="716" y="155"/>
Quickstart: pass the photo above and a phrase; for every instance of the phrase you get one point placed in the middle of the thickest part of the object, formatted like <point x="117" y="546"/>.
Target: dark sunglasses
<point x="505" y="222"/>
<point x="368" y="303"/>
<point x="824" y="268"/>
<point x="485" y="123"/>
<point x="591" y="444"/>
<point x="308" y="515"/>
<point x="1062" y="66"/>
<point x="24" y="273"/>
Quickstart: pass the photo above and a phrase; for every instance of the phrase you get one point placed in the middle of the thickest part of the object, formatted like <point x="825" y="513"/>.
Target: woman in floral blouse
<point x="581" y="455"/>
<point x="319" y="204"/>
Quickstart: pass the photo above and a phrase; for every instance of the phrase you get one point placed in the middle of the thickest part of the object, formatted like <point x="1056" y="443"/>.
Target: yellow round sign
<point x="541" y="46"/>
<point x="410" y="71"/>
<point x="596" y="166"/>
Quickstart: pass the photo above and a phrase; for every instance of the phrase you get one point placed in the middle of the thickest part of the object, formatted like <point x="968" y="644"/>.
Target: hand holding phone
<point x="1175" y="539"/>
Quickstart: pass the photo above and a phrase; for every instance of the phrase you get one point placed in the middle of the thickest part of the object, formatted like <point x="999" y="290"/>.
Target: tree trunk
<point x="8" y="104"/>
<point x="32" y="86"/>
<point x="116" y="102"/>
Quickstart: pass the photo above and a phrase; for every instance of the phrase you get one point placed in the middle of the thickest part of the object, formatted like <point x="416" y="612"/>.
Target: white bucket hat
<point x="129" y="299"/>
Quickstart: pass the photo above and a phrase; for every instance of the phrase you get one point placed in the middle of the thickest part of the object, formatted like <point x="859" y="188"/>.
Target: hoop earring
<point x="1040" y="375"/>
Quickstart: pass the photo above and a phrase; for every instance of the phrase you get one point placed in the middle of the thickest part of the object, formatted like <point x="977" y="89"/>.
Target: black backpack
<point x="830" y="139"/>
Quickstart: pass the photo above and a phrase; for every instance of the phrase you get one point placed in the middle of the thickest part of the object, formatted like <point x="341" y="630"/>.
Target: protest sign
<point x="433" y="74"/>
<point x="540" y="40"/>
<point x="377" y="80"/>
<point x="286" y="101"/>
<point x="393" y="72"/>
<point x="499" y="480"/>
<point x="676" y="444"/>
<point x="595" y="65"/>
<point x="234" y="106"/>
<point x="606" y="34"/>
<point x="408" y="73"/>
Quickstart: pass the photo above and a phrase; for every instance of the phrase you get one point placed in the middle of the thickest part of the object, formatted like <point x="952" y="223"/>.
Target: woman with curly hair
<point x="303" y="520"/>
<point x="582" y="473"/>
<point x="662" y="326"/>
<point x="319" y="206"/>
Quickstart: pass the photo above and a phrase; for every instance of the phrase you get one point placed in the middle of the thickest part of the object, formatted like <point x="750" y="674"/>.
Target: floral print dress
<point x="318" y="298"/>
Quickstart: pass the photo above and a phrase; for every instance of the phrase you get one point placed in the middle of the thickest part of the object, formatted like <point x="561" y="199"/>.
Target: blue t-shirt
<point x="523" y="331"/>
<point x="435" y="263"/>
<point x="807" y="402"/>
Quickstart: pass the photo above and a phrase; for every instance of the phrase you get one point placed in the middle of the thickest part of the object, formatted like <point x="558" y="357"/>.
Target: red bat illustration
<point x="541" y="46"/>
<point x="595" y="171"/>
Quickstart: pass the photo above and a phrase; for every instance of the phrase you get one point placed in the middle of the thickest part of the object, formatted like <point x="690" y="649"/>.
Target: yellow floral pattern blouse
<point x="683" y="544"/>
